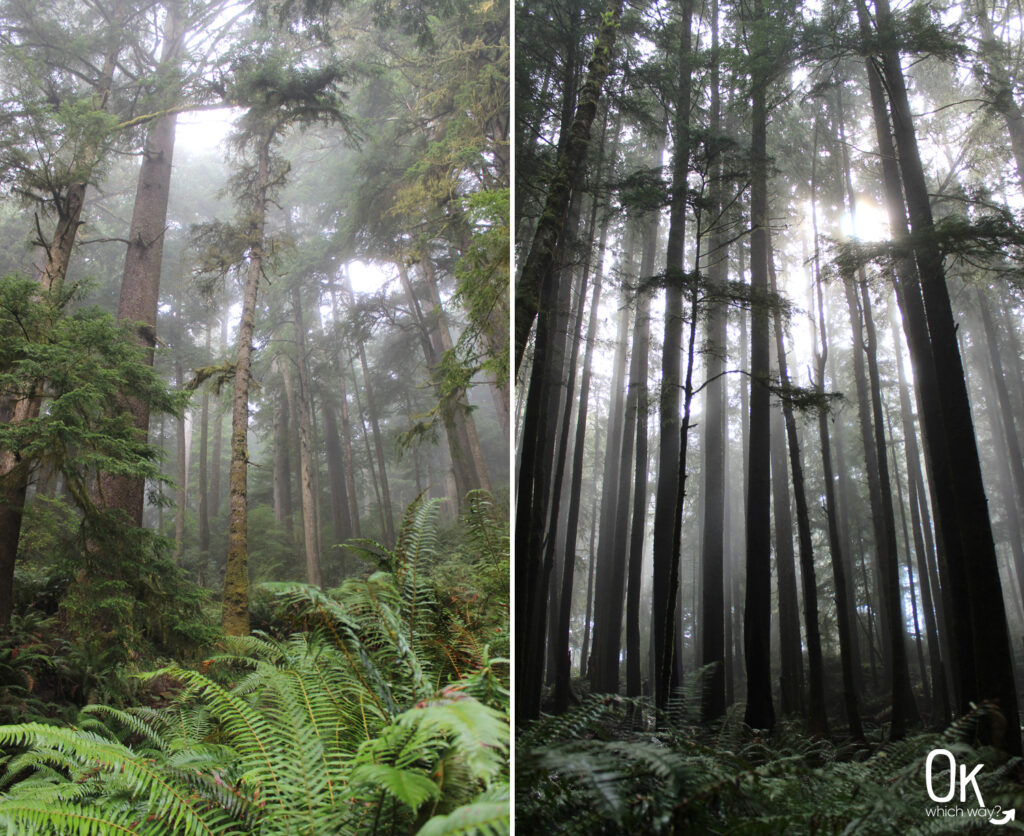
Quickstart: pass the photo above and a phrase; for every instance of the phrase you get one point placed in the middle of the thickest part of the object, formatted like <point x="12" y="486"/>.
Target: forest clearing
<point x="769" y="561"/>
<point x="254" y="417"/>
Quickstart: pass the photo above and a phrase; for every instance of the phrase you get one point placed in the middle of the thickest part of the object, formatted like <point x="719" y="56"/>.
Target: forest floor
<point x="610" y="765"/>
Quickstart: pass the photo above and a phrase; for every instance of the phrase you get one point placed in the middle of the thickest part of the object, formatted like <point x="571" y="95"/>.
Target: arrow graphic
<point x="1008" y="816"/>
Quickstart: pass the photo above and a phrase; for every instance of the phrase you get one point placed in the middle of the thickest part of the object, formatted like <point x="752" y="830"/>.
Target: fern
<point x="354" y="723"/>
<point x="589" y="771"/>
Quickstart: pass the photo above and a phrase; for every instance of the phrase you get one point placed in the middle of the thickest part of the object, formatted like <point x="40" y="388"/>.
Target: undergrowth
<point x="368" y="709"/>
<point x="611" y="765"/>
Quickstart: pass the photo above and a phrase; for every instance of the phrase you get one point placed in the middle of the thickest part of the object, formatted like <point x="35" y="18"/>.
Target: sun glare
<point x="867" y="223"/>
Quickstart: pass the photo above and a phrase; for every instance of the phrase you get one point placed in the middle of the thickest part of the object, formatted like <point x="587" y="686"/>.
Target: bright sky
<point x="204" y="130"/>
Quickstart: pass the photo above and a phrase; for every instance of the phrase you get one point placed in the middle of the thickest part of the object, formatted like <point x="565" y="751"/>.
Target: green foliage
<point x="77" y="364"/>
<point x="592" y="771"/>
<point x="353" y="724"/>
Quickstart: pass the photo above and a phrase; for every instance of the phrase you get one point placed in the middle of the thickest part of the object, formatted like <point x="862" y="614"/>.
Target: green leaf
<point x="411" y="788"/>
<point x="487" y="818"/>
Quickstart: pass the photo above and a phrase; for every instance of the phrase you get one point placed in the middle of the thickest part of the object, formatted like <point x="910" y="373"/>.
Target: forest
<point x="769" y="555"/>
<point x="254" y="417"/>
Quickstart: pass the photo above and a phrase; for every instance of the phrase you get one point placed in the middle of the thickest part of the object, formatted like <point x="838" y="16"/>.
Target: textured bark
<point x="569" y="166"/>
<point x="949" y="548"/>
<point x="559" y="641"/>
<point x="235" y="600"/>
<point x="140" y="285"/>
<point x="990" y="641"/>
<point x="666" y="509"/>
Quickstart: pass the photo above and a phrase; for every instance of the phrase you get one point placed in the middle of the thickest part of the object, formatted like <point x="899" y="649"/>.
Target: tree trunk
<point x="998" y="85"/>
<point x="204" y="485"/>
<point x="235" y="602"/>
<point x="611" y="568"/>
<point x="713" y="554"/>
<point x="182" y="476"/>
<point x="817" y="721"/>
<point x="463" y="416"/>
<point x="844" y="614"/>
<point x="922" y="546"/>
<point x="538" y="268"/>
<point x="140" y="285"/>
<point x="282" y="486"/>
<point x="760" y="713"/>
<point x="991" y="642"/>
<point x="341" y="523"/>
<point x="639" y="396"/>
<point x="53" y="269"/>
<point x="666" y="509"/>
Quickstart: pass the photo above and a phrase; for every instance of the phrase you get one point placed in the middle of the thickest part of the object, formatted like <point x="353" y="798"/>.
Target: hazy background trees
<point x="818" y="212"/>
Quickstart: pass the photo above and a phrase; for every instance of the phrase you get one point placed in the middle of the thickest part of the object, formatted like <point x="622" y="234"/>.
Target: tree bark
<point x="991" y="642"/>
<point x="569" y="166"/>
<point x="760" y="713"/>
<point x="666" y="509"/>
<point x="235" y="601"/>
<point x="140" y="285"/>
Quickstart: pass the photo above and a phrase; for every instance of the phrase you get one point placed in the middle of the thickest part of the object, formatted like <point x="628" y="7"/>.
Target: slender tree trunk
<point x="560" y="639"/>
<point x="340" y="521"/>
<point x="181" y="498"/>
<point x="991" y="642"/>
<point x="904" y="706"/>
<point x="949" y="548"/>
<point x="791" y="670"/>
<point x="204" y="487"/>
<point x="282" y="487"/>
<point x="666" y="509"/>
<point x="463" y="416"/>
<point x="922" y="547"/>
<point x="301" y="399"/>
<point x="713" y="553"/>
<point x="610" y="578"/>
<point x="844" y="614"/>
<point x="218" y="437"/>
<point x="235" y="601"/>
<point x="760" y="713"/>
<point x="639" y="395"/>
<point x="457" y="441"/>
<point x="817" y="721"/>
<point x="538" y="268"/>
